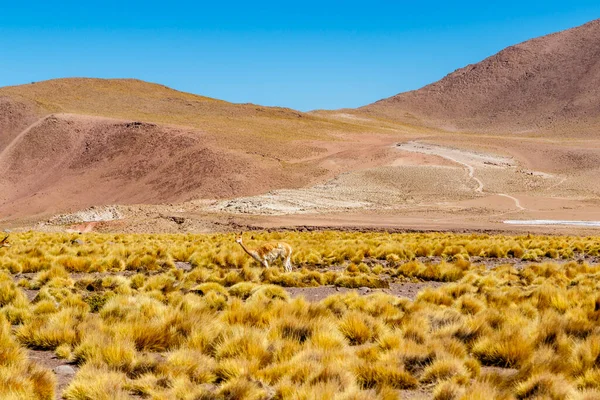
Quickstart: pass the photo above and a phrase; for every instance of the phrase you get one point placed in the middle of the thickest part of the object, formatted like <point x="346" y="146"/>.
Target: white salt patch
<point x="593" y="224"/>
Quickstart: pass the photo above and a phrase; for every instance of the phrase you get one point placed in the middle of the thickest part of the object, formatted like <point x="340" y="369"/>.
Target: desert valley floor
<point x="428" y="181"/>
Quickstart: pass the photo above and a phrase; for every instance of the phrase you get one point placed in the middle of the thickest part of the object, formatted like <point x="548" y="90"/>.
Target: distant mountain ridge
<point x="547" y="83"/>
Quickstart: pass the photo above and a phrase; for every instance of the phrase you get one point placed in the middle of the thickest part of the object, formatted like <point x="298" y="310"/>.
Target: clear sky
<point x="305" y="54"/>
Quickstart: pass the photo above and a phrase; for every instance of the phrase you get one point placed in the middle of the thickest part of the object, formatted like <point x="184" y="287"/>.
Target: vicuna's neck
<point x="245" y="249"/>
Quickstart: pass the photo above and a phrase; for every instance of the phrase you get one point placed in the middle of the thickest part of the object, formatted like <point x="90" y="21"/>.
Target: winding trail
<point x="517" y="202"/>
<point x="23" y="133"/>
<point x="17" y="138"/>
<point x="471" y="170"/>
<point x="556" y="184"/>
<point x="420" y="148"/>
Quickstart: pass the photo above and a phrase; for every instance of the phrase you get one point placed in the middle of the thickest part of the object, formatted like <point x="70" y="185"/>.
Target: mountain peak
<point x="550" y="82"/>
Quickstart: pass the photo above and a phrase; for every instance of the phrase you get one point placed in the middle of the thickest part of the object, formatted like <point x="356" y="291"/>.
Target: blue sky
<point x="304" y="55"/>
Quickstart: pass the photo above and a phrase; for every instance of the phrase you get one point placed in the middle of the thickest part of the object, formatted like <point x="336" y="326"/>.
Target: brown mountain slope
<point x="15" y="116"/>
<point x="136" y="100"/>
<point x="551" y="83"/>
<point x="72" y="143"/>
<point x="67" y="160"/>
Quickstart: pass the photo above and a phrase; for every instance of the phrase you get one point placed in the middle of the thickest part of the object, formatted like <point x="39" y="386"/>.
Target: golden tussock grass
<point x="227" y="328"/>
<point x="19" y="377"/>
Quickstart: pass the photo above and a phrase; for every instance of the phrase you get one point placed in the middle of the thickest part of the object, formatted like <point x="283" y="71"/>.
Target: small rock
<point x="64" y="370"/>
<point x="177" y="220"/>
<point x="184" y="266"/>
<point x="77" y="241"/>
<point x="209" y="387"/>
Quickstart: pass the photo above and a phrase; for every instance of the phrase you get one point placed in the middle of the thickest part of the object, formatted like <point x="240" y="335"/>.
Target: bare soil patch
<point x="64" y="371"/>
<point x="406" y="290"/>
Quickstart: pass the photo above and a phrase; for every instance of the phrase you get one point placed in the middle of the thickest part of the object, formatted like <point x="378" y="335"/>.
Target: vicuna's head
<point x="4" y="242"/>
<point x="238" y="238"/>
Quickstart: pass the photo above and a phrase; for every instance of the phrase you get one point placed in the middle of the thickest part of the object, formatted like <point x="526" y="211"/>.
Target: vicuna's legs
<point x="288" y="263"/>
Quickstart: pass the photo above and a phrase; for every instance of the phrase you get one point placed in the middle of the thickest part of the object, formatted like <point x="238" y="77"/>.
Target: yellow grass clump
<point x="137" y="324"/>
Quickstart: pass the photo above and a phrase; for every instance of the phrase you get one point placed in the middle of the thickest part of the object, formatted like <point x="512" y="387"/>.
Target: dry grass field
<point x="192" y="317"/>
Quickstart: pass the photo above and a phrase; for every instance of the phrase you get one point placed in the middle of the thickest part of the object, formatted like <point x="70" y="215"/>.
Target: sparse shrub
<point x="50" y="330"/>
<point x="270" y="292"/>
<point x="242" y="290"/>
<point x="448" y="391"/>
<point x="198" y="367"/>
<point x="19" y="377"/>
<point x="97" y="383"/>
<point x="545" y="385"/>
<point x="356" y="329"/>
<point x="442" y="369"/>
<point x="97" y="301"/>
<point x="508" y="348"/>
<point x="380" y="374"/>
<point x="64" y="351"/>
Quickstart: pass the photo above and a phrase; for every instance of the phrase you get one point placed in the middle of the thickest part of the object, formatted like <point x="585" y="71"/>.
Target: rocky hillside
<point x="549" y="84"/>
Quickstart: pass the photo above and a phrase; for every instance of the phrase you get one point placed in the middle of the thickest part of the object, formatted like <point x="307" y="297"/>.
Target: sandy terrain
<point x="406" y="290"/>
<point x="420" y="186"/>
<point x="427" y="186"/>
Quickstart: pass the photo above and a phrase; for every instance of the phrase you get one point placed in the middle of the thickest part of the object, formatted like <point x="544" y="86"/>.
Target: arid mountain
<point x="69" y="144"/>
<point x="72" y="143"/>
<point x="549" y="84"/>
